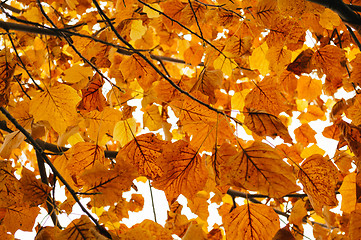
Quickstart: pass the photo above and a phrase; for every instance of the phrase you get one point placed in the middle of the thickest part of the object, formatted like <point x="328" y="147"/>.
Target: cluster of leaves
<point x="71" y="70"/>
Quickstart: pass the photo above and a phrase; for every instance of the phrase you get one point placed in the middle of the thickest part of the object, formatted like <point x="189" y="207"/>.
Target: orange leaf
<point x="108" y="185"/>
<point x="35" y="192"/>
<point x="264" y="124"/>
<point x="184" y="171"/>
<point x="319" y="178"/>
<point x="352" y="134"/>
<point x="266" y="96"/>
<point x="143" y="152"/>
<point x="305" y="134"/>
<point x="20" y="218"/>
<point x="348" y="193"/>
<point x="208" y="81"/>
<point x="7" y="67"/>
<point x="251" y="221"/>
<point x="260" y="168"/>
<point x="354" y="225"/>
<point x="309" y="88"/>
<point x="93" y="98"/>
<point x="78" y="229"/>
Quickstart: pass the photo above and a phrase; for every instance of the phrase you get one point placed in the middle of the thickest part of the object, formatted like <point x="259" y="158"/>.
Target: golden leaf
<point x="298" y="212"/>
<point x="184" y="171"/>
<point x="260" y="168"/>
<point x="319" y="178"/>
<point x="348" y="193"/>
<point x="152" y="118"/>
<point x="251" y="221"/>
<point x="57" y="105"/>
<point x="124" y="131"/>
<point x="101" y="123"/>
<point x="135" y="67"/>
<point x="77" y="73"/>
<point x="7" y="68"/>
<point x="264" y="124"/>
<point x="278" y="58"/>
<point x="12" y="141"/>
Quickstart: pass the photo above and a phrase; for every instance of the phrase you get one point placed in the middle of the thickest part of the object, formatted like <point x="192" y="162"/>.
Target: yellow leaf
<point x="251" y="221"/>
<point x="101" y="123"/>
<point x="77" y="73"/>
<point x="319" y="178"/>
<point x="348" y="193"/>
<point x="137" y="30"/>
<point x="313" y="149"/>
<point x="152" y="118"/>
<point x="260" y="168"/>
<point x="258" y="59"/>
<point x="194" y="231"/>
<point x="57" y="105"/>
<point x="124" y="131"/>
<point x="225" y="63"/>
<point x="150" y="12"/>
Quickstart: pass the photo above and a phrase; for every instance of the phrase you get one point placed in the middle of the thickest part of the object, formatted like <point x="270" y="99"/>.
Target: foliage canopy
<point x="243" y="84"/>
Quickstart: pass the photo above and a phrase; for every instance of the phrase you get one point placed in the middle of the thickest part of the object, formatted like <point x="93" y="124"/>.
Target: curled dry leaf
<point x="319" y="178"/>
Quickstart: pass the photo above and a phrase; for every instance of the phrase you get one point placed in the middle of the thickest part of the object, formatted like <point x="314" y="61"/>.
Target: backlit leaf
<point x="143" y="152"/>
<point x="251" y="221"/>
<point x="57" y="105"/>
<point x="319" y="177"/>
<point x="260" y="168"/>
<point x="264" y="124"/>
<point x="348" y="193"/>
<point x="184" y="171"/>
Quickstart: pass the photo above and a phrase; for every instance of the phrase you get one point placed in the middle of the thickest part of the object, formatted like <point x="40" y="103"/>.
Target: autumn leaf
<point x="348" y="193"/>
<point x="57" y="105"/>
<point x="305" y="134"/>
<point x="78" y="229"/>
<point x="251" y="221"/>
<point x="35" y="192"/>
<point x="266" y="96"/>
<point x="107" y="185"/>
<point x="7" y="67"/>
<point x="93" y="98"/>
<point x="319" y="177"/>
<point x="302" y="63"/>
<point x="264" y="124"/>
<point x="143" y="152"/>
<point x="260" y="168"/>
<point x="184" y="171"/>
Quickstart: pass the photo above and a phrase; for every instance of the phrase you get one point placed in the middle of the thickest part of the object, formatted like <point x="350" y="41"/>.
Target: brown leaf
<point x="93" y="98"/>
<point x="302" y="63"/>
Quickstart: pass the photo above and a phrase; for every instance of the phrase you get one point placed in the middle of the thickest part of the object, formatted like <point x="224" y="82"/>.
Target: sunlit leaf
<point x="348" y="193"/>
<point x="57" y="105"/>
<point x="319" y="177"/>
<point x="251" y="221"/>
<point x="260" y="168"/>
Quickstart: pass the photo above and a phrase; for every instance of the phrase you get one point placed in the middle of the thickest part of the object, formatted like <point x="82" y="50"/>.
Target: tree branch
<point x="40" y="151"/>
